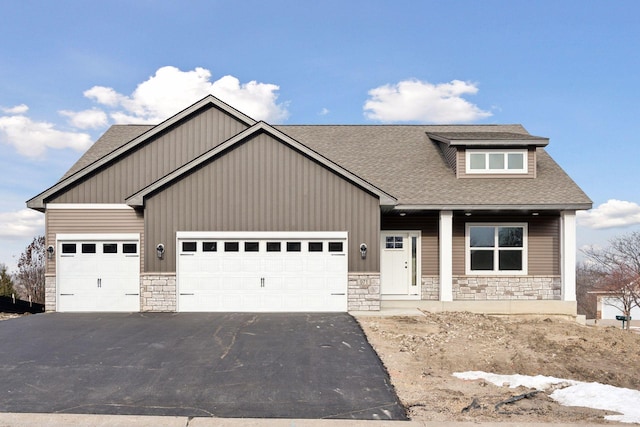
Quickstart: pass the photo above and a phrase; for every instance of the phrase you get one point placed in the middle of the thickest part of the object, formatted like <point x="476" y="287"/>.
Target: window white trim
<point x="496" y="271"/>
<point x="505" y="154"/>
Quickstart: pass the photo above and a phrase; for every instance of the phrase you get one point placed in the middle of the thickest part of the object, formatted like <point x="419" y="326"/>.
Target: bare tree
<point x="620" y="264"/>
<point x="31" y="267"/>
<point x="588" y="279"/>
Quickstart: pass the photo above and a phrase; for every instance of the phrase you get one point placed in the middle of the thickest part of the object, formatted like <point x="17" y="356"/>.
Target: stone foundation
<point x="158" y="292"/>
<point x="474" y="288"/>
<point x="363" y="292"/>
<point x="49" y="292"/>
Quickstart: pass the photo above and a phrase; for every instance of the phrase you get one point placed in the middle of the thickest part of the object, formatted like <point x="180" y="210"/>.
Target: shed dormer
<point x="490" y="154"/>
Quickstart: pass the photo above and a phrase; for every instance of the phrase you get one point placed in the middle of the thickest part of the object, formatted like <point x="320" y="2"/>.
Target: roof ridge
<point x="396" y="125"/>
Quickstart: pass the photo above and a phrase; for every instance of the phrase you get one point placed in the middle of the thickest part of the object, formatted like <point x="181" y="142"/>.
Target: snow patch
<point x="572" y="393"/>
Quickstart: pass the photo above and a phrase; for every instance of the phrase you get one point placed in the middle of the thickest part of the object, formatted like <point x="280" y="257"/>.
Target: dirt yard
<point x="422" y="353"/>
<point x="5" y="316"/>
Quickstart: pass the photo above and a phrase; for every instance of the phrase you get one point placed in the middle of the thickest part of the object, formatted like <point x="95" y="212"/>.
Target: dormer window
<point x="496" y="161"/>
<point x="482" y="154"/>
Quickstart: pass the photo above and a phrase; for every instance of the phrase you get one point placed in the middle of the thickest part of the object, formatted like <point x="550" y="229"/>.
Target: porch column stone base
<point x="430" y="288"/>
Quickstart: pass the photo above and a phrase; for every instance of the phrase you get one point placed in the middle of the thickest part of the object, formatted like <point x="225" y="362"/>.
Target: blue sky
<point x="566" y="70"/>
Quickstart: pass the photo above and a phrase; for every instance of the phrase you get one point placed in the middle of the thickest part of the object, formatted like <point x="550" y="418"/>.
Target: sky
<point x="625" y="401"/>
<point x="565" y="70"/>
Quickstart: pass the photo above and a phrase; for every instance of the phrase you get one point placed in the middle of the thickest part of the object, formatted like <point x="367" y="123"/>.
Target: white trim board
<point x="261" y="235"/>
<point x="99" y="236"/>
<point x="104" y="206"/>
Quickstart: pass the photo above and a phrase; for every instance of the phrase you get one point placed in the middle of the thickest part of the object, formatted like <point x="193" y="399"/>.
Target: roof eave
<point x="524" y="142"/>
<point x="475" y="207"/>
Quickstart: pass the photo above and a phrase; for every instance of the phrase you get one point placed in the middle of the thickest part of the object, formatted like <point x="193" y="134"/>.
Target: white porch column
<point x="568" y="255"/>
<point x="446" y="255"/>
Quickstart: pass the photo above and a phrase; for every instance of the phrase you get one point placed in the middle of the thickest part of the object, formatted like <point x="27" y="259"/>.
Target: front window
<point x="496" y="161"/>
<point x="496" y="248"/>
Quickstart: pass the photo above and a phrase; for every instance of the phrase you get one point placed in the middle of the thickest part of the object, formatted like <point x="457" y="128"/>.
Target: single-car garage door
<point x="262" y="271"/>
<point x="98" y="272"/>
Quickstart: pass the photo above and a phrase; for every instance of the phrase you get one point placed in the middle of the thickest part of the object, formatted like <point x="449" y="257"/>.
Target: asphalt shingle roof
<point x="404" y="162"/>
<point x="114" y="137"/>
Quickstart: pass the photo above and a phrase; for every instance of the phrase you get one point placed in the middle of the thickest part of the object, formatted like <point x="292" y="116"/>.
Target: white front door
<point x="400" y="264"/>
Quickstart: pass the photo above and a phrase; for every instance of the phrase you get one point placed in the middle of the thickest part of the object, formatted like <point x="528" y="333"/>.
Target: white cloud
<point x="612" y="213"/>
<point x="87" y="119"/>
<point x="324" y="112"/>
<point x="18" y="109"/>
<point x="21" y="224"/>
<point x="104" y="95"/>
<point x="31" y="138"/>
<point x="423" y="102"/>
<point x="170" y="90"/>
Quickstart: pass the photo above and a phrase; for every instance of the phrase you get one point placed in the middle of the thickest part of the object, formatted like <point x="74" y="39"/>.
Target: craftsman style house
<point x="214" y="211"/>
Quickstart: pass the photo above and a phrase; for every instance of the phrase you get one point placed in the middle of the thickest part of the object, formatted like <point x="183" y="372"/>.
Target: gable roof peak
<point x="81" y="170"/>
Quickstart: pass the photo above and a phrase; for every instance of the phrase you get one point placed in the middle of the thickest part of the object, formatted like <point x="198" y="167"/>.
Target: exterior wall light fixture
<point x="160" y="250"/>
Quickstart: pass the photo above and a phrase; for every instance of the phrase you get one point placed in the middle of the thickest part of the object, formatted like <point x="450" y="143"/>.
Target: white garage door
<point x="98" y="273"/>
<point x="262" y="272"/>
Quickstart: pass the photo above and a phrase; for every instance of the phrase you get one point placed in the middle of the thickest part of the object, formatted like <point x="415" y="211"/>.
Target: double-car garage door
<point x="216" y="271"/>
<point x="262" y="271"/>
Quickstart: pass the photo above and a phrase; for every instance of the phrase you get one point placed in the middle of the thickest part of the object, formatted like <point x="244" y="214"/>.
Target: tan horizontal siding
<point x="155" y="159"/>
<point x="428" y="226"/>
<point x="92" y="221"/>
<point x="543" y="248"/>
<point x="263" y="185"/>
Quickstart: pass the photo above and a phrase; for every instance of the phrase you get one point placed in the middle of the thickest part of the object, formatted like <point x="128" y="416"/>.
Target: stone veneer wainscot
<point x="158" y="292"/>
<point x="507" y="288"/>
<point x="363" y="292"/>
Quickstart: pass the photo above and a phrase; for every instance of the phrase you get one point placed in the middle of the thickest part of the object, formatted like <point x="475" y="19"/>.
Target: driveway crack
<point x="228" y="348"/>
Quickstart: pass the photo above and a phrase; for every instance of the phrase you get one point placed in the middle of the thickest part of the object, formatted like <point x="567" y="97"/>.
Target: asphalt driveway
<point x="187" y="364"/>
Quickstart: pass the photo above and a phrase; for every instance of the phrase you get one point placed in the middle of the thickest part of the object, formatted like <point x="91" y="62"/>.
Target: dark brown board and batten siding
<point x="92" y="221"/>
<point x="543" y="237"/>
<point x="155" y="159"/>
<point x="262" y="184"/>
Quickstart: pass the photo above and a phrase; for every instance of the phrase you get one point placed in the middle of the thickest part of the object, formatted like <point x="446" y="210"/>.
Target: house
<point x="610" y="304"/>
<point x="214" y="211"/>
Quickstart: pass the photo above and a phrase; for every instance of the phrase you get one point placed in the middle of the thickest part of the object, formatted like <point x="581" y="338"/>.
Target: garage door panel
<point x="251" y="264"/>
<point x="293" y="265"/>
<point x="100" y="276"/>
<point x="315" y="264"/>
<point x="231" y="264"/>
<point x="282" y="275"/>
